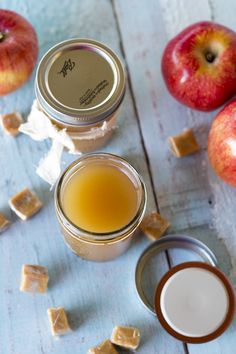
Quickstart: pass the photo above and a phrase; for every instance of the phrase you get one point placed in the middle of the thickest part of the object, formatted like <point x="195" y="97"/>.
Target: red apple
<point x="222" y="144"/>
<point x="199" y="66"/>
<point x="18" y="51"/>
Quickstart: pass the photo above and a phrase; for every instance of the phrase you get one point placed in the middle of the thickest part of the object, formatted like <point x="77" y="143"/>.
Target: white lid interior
<point x="194" y="302"/>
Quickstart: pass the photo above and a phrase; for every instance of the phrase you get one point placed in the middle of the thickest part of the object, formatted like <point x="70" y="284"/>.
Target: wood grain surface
<point x="99" y="296"/>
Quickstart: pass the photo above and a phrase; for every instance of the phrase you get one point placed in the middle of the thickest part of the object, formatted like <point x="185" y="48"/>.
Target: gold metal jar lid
<point x="80" y="82"/>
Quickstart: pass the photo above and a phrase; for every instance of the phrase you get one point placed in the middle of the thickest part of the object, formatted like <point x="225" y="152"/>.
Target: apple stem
<point x="1" y="36"/>
<point x="210" y="57"/>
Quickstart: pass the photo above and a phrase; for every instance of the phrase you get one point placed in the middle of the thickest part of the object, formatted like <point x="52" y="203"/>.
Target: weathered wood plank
<point x="181" y="189"/>
<point x="187" y="192"/>
<point x="97" y="296"/>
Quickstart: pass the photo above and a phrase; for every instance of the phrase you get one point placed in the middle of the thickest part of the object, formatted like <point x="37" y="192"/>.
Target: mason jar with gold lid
<point x="80" y="84"/>
<point x="100" y="200"/>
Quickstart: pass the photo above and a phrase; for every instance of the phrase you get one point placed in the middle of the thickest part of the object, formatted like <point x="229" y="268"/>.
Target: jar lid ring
<point x="163" y="244"/>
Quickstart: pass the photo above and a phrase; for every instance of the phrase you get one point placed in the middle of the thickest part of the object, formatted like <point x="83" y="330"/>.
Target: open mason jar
<point x="100" y="200"/>
<point x="80" y="84"/>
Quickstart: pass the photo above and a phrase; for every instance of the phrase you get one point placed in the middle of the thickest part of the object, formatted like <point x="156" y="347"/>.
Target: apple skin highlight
<point x="199" y="66"/>
<point x="222" y="144"/>
<point x="18" y="51"/>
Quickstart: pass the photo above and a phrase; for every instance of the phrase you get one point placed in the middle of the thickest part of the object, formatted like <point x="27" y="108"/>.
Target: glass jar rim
<point x="98" y="236"/>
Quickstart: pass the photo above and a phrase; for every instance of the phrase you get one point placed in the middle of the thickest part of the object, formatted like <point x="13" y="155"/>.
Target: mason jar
<point x="99" y="246"/>
<point x="80" y="85"/>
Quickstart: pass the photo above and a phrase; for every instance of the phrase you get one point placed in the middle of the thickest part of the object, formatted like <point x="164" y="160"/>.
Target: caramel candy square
<point x="4" y="223"/>
<point x="58" y="321"/>
<point x="183" y="144"/>
<point x="104" y="348"/>
<point x="25" y="204"/>
<point x="11" y="122"/>
<point x="154" y="226"/>
<point x="34" y="279"/>
<point x="126" y="337"/>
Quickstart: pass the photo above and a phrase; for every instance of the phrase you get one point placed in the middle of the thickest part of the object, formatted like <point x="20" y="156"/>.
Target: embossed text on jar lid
<point x="80" y="82"/>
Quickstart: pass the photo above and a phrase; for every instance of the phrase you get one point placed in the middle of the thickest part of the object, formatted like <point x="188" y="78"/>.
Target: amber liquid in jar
<point x="100" y="198"/>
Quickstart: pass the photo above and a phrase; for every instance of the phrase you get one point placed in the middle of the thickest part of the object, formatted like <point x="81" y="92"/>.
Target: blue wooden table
<point x="99" y="296"/>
